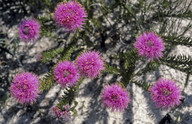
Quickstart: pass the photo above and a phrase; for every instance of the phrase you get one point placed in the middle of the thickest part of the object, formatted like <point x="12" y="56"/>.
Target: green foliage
<point x="127" y="70"/>
<point x="182" y="63"/>
<point x="43" y="4"/>
<point x="111" y="69"/>
<point x="175" y="40"/>
<point x="4" y="98"/>
<point x="47" y="82"/>
<point x="69" y="96"/>
<point x="187" y="14"/>
<point x="142" y="84"/>
<point x="47" y="25"/>
<point x="151" y="66"/>
<point x="67" y="52"/>
<point x="49" y="55"/>
<point x="64" y="53"/>
<point x="187" y="79"/>
<point x="129" y="59"/>
<point x="75" y="113"/>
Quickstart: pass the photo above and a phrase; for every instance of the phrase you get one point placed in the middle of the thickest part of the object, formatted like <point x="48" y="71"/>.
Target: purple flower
<point x="25" y="87"/>
<point x="90" y="64"/>
<point x="66" y="74"/>
<point x="66" y="107"/>
<point x="64" y="115"/>
<point x="115" y="97"/>
<point x="55" y="112"/>
<point x="165" y="93"/>
<point x="70" y="15"/>
<point x="29" y="30"/>
<point x="150" y="45"/>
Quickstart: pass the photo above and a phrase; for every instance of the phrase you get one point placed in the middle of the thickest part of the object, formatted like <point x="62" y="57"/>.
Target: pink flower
<point x="55" y="112"/>
<point x="64" y="115"/>
<point x="115" y="97"/>
<point x="29" y="30"/>
<point x="66" y="74"/>
<point x="25" y="87"/>
<point x="66" y="107"/>
<point x="90" y="64"/>
<point x="70" y="15"/>
<point x="165" y="93"/>
<point x="150" y="45"/>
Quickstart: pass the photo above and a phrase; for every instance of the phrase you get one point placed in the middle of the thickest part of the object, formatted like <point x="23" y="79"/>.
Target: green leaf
<point x="4" y="98"/>
<point x="143" y="84"/>
<point x="49" y="55"/>
<point x="68" y="53"/>
<point x="151" y="66"/>
<point x="181" y="62"/>
<point x="128" y="7"/>
<point x="75" y="112"/>
<point x="47" y="82"/>
<point x="187" y="79"/>
<point x="111" y="69"/>
<point x="75" y="104"/>
<point x="175" y="40"/>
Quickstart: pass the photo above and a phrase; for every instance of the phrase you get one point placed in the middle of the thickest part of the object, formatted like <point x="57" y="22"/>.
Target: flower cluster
<point x="150" y="45"/>
<point x="63" y="114"/>
<point x="70" y="15"/>
<point x="165" y="93"/>
<point x="29" y="30"/>
<point x="90" y="64"/>
<point x="25" y="87"/>
<point x="55" y="112"/>
<point x="115" y="97"/>
<point x="66" y="74"/>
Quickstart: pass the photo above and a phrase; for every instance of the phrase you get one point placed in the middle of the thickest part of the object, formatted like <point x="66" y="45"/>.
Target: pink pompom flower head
<point x="29" y="30"/>
<point x="70" y="15"/>
<point x="25" y="87"/>
<point x="165" y="93"/>
<point x="150" y="45"/>
<point x="66" y="74"/>
<point x="115" y="97"/>
<point x="90" y="64"/>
